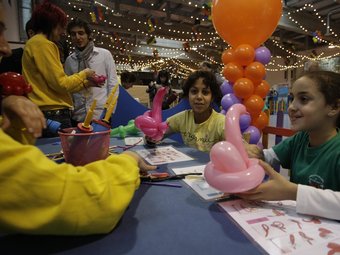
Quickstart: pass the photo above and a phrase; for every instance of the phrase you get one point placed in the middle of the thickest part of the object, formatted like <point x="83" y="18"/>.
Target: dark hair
<point x="208" y="79"/>
<point x="79" y="23"/>
<point x="46" y="17"/>
<point x="29" y="26"/>
<point x="163" y="73"/>
<point x="329" y="85"/>
<point x="207" y="64"/>
<point x="127" y="77"/>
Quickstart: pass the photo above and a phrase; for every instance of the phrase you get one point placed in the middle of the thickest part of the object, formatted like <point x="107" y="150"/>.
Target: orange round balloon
<point x="262" y="89"/>
<point x="243" y="88"/>
<point x="261" y="121"/>
<point x="255" y="72"/>
<point x="244" y="54"/>
<point x="228" y="56"/>
<point x="254" y="104"/>
<point x="246" y="21"/>
<point x="232" y="72"/>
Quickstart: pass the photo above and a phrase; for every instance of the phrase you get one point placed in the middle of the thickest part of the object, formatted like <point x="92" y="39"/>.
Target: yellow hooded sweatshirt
<point x="39" y="196"/>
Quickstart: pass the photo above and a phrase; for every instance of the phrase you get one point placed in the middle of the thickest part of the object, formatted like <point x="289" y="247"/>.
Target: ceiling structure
<point x="178" y="34"/>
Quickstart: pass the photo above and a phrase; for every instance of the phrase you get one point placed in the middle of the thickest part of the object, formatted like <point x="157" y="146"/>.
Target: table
<point x="160" y="220"/>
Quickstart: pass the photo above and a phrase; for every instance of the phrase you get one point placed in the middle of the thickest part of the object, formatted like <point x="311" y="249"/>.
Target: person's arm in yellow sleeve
<point x="39" y="196"/>
<point x="47" y="61"/>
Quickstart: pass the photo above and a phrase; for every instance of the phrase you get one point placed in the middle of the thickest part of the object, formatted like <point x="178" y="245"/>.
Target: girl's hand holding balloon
<point x="253" y="151"/>
<point x="277" y="188"/>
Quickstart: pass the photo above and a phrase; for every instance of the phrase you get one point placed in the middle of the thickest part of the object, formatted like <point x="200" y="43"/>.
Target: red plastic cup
<point x="82" y="148"/>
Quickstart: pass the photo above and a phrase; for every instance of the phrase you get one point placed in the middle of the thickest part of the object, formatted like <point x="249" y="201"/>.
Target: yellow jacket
<point x="39" y="196"/>
<point x="43" y="70"/>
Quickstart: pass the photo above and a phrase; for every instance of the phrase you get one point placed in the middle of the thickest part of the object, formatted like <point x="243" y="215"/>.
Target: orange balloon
<point x="246" y="21"/>
<point x="255" y="72"/>
<point x="262" y="89"/>
<point x="232" y="72"/>
<point x="261" y="121"/>
<point x="228" y="56"/>
<point x="243" y="88"/>
<point x="254" y="104"/>
<point x="244" y="54"/>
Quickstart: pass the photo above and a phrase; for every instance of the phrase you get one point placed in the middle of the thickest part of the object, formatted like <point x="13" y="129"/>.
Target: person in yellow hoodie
<point x="39" y="196"/>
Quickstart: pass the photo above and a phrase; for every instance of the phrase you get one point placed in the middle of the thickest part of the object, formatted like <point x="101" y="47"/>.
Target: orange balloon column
<point x="245" y="25"/>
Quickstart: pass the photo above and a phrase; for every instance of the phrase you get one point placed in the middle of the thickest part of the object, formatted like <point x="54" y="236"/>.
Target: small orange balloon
<point x="243" y="88"/>
<point x="228" y="56"/>
<point x="232" y="72"/>
<point x="255" y="71"/>
<point x="262" y="89"/>
<point x="244" y="54"/>
<point x="254" y="104"/>
<point x="261" y="121"/>
<point x="245" y="21"/>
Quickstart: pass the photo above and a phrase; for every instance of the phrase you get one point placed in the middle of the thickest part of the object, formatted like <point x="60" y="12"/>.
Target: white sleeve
<point x="318" y="202"/>
<point x="270" y="157"/>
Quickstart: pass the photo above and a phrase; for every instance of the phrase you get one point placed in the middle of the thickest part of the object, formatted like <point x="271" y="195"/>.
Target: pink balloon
<point x="230" y="170"/>
<point x="226" y="156"/>
<point x="150" y="123"/>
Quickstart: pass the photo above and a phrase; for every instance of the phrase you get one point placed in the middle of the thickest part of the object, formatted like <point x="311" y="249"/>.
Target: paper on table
<point x="134" y="140"/>
<point x="163" y="155"/>
<point x="280" y="230"/>
<point x="198" y="183"/>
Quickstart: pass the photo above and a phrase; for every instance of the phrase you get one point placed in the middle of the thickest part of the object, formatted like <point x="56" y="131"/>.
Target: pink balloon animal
<point x="150" y="123"/>
<point x="230" y="170"/>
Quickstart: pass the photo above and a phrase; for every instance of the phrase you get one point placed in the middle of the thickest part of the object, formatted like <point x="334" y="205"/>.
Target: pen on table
<point x="162" y="184"/>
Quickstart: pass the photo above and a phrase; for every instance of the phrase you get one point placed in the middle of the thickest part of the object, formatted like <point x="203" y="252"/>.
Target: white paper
<point x="134" y="141"/>
<point x="198" y="183"/>
<point x="163" y="155"/>
<point x="280" y="230"/>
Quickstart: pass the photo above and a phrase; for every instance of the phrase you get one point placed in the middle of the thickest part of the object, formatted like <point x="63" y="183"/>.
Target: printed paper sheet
<point x="280" y="230"/>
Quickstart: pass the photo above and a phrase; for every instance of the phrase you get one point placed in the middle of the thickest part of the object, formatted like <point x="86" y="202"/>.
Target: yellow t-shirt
<point x="200" y="136"/>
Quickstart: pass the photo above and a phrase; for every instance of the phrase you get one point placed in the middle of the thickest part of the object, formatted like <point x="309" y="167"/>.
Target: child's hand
<point x="143" y="166"/>
<point x="277" y="188"/>
<point x="253" y="151"/>
<point x="151" y="142"/>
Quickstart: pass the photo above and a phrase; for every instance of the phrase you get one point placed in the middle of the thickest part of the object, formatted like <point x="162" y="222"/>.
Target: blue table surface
<point x="159" y="220"/>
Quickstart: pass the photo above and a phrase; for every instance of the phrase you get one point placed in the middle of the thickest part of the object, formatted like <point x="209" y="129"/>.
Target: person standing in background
<point x="86" y="55"/>
<point x="13" y="62"/>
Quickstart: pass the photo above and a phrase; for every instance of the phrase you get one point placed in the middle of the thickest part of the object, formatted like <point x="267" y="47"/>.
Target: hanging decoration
<point x="186" y="46"/>
<point x="155" y="53"/>
<point x="317" y="37"/>
<point x="151" y="40"/>
<point x="206" y="10"/>
<point x="151" y="24"/>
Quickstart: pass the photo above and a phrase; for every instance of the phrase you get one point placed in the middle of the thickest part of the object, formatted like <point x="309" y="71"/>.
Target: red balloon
<point x="243" y="88"/>
<point x="228" y="56"/>
<point x="255" y="72"/>
<point x="244" y="54"/>
<point x="246" y="21"/>
<point x="232" y="72"/>
<point x="254" y="104"/>
<point x="261" y="121"/>
<point x="262" y="89"/>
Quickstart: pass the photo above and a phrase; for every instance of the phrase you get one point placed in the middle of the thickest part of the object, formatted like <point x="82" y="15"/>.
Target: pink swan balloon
<point x="230" y="170"/>
<point x="150" y="123"/>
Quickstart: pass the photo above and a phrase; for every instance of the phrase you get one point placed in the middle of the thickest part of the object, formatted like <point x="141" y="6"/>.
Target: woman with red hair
<point x="43" y="70"/>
